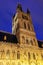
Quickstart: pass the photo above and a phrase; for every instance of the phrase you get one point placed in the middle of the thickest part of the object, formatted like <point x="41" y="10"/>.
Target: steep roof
<point x="13" y="39"/>
<point x="9" y="37"/>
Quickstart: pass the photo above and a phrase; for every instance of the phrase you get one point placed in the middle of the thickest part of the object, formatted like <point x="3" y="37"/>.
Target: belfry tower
<point x="20" y="47"/>
<point x="22" y="27"/>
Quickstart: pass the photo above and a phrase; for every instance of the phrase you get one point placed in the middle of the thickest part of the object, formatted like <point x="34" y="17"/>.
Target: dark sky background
<point x="8" y="8"/>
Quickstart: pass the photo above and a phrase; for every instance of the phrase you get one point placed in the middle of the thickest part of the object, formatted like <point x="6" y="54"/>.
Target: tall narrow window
<point x="13" y="54"/>
<point x="31" y="42"/>
<point x="26" y="41"/>
<point x="34" y="41"/>
<point x="8" y="54"/>
<point x="28" y="55"/>
<point x="24" y="25"/>
<point x="18" y="55"/>
<point x="28" y="27"/>
<point x="2" y="53"/>
<point x="34" y="56"/>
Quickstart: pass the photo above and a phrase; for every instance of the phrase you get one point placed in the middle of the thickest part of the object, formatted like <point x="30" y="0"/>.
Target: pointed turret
<point x="28" y="12"/>
<point x="19" y="7"/>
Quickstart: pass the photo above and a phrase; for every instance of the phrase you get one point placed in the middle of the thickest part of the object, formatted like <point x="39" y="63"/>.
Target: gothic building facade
<point x="20" y="47"/>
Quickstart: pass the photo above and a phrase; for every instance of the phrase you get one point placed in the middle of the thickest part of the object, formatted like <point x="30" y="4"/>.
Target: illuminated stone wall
<point x="26" y="51"/>
<point x="15" y="54"/>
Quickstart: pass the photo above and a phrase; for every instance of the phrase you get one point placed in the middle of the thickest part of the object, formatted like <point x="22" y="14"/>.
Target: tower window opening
<point x="24" y="25"/>
<point x="34" y="41"/>
<point x="24" y="17"/>
<point x="28" y="26"/>
<point x="27" y="41"/>
<point x="31" y="42"/>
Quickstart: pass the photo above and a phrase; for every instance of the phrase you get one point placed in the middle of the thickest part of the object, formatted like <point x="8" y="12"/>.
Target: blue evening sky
<point x="8" y="8"/>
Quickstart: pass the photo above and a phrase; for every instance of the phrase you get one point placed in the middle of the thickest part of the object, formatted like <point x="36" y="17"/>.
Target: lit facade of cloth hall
<point x="20" y="47"/>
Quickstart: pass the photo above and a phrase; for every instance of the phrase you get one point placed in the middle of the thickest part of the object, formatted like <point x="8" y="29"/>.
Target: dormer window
<point x="5" y="37"/>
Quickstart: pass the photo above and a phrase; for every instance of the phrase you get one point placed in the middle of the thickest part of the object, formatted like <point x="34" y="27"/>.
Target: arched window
<point x="28" y="27"/>
<point x="28" y="55"/>
<point x="31" y="42"/>
<point x="2" y="53"/>
<point x="18" y="55"/>
<point x="13" y="54"/>
<point x="24" y="25"/>
<point x="34" y="56"/>
<point x="34" y="41"/>
<point x="27" y="41"/>
<point x="8" y="54"/>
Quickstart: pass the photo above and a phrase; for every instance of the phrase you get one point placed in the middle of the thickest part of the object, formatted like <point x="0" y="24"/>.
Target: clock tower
<point x="22" y="27"/>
